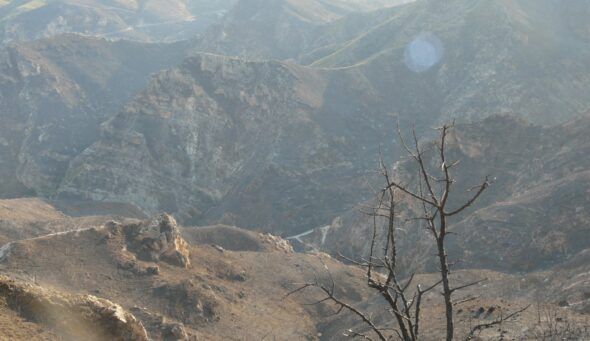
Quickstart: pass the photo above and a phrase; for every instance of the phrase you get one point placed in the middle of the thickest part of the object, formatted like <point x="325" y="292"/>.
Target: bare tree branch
<point x="470" y="202"/>
<point x="500" y="320"/>
<point x="468" y="285"/>
<point x="433" y="192"/>
<point x="410" y="193"/>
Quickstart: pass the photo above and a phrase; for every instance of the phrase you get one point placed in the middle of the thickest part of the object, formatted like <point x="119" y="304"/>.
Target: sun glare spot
<point x="424" y="52"/>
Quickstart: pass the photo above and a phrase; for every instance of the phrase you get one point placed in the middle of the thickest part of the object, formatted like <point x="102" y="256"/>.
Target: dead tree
<point x="382" y="275"/>
<point x="431" y="192"/>
<point x="433" y="195"/>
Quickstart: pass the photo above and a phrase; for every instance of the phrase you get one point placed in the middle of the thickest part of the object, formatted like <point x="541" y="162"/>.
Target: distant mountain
<point x="279" y="146"/>
<point x="265" y="145"/>
<point x="151" y="20"/>
<point x="474" y="55"/>
<point x="283" y="147"/>
<point x="156" y="20"/>
<point x="272" y="118"/>
<point x="277" y="29"/>
<point x="453" y="59"/>
<point x="533" y="217"/>
<point x="54" y="94"/>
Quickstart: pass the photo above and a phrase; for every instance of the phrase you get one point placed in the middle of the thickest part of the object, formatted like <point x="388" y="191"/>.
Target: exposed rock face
<point x="74" y="317"/>
<point x="247" y="143"/>
<point x="54" y="94"/>
<point x="158" y="239"/>
<point x="494" y="58"/>
<point x="276" y="243"/>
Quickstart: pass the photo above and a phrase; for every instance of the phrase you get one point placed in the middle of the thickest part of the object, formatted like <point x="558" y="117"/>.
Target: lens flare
<point x="424" y="52"/>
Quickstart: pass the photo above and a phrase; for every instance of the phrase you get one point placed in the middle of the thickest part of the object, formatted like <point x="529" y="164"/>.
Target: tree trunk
<point x="447" y="292"/>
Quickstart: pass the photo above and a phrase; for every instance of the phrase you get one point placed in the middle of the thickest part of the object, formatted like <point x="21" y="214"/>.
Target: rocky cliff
<point x="54" y="95"/>
<point x="256" y="144"/>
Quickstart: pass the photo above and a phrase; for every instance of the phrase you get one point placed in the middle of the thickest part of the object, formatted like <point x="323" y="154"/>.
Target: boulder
<point x="158" y="239"/>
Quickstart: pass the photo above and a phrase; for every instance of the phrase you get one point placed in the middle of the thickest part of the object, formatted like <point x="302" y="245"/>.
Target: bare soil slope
<point x="229" y="285"/>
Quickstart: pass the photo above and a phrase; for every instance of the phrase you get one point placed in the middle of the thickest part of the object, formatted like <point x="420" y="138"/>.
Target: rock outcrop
<point x="276" y="243"/>
<point x="77" y="317"/>
<point x="158" y="239"/>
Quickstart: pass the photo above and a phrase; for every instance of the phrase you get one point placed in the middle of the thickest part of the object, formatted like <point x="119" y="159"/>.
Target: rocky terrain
<point x="258" y="126"/>
<point x="28" y="218"/>
<point x="72" y="316"/>
<point x="150" y="280"/>
<point x="161" y="21"/>
<point x="175" y="289"/>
